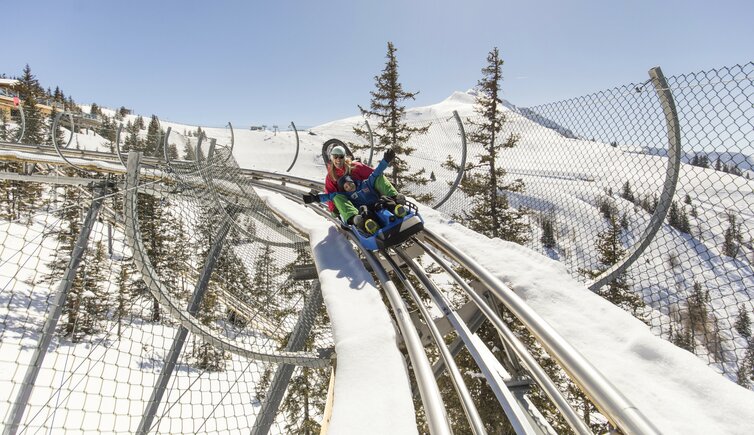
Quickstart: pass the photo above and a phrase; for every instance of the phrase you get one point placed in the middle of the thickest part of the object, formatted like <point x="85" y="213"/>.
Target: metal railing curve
<point x="603" y="394"/>
<point x="158" y="290"/>
<point x="668" y="189"/>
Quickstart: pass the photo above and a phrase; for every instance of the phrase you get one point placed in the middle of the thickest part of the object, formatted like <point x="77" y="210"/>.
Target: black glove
<point x="399" y="199"/>
<point x="389" y="156"/>
<point x="310" y="198"/>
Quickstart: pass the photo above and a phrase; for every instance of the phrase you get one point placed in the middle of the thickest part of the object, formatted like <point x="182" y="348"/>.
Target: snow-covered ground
<point x="676" y="390"/>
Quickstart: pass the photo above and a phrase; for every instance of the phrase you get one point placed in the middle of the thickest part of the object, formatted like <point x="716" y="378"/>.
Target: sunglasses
<point x="336" y="157"/>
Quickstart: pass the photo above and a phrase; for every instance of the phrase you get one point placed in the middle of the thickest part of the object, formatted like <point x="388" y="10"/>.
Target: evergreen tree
<point x="132" y="141"/>
<point x="4" y="128"/>
<point x="627" y="193"/>
<point x="484" y="181"/>
<point x="392" y="131"/>
<point x="266" y="276"/>
<point x="618" y="291"/>
<point x="743" y="374"/>
<point x="151" y="214"/>
<point x="732" y="237"/>
<point x="58" y="95"/>
<point x="743" y="322"/>
<point x="153" y="144"/>
<point x="29" y="91"/>
<point x="92" y="304"/>
<point x="139" y="123"/>
<point x="678" y="218"/>
<point x="682" y="338"/>
<point x="624" y="222"/>
<point x="548" y="234"/>
<point x="123" y="295"/>
<point x="95" y="110"/>
<point x="189" y="151"/>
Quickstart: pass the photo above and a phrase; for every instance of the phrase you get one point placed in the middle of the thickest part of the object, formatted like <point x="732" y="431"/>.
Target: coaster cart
<point x="393" y="230"/>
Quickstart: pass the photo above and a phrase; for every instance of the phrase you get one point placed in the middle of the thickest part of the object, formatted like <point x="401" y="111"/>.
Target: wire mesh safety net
<point x="588" y="173"/>
<point x="111" y="347"/>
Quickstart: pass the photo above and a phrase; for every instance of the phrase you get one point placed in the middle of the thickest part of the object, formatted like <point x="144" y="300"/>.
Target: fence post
<point x="48" y="330"/>
<point x="295" y="157"/>
<point x="371" y="143"/>
<point x="462" y="166"/>
<point x="668" y="189"/>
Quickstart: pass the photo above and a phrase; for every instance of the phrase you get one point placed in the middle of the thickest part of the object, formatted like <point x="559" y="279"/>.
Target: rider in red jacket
<point x="339" y="166"/>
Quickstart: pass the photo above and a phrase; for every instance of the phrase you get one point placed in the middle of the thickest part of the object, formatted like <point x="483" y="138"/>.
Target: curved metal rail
<point x="158" y="290"/>
<point x="668" y="188"/>
<point x="241" y="191"/>
<point x="437" y="419"/>
<point x="462" y="165"/>
<point x="295" y="157"/>
<point x="608" y="400"/>
<point x="475" y="421"/>
<point x="70" y="139"/>
<point x="535" y="370"/>
<point x="22" y="130"/>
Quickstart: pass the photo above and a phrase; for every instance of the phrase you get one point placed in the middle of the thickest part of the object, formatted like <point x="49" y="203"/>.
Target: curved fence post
<point x="232" y="141"/>
<point x="297" y="145"/>
<point x="371" y="143"/>
<point x="462" y="166"/>
<point x="117" y="146"/>
<point x="165" y="145"/>
<point x="668" y="189"/>
<point x="21" y="132"/>
<point x="55" y="142"/>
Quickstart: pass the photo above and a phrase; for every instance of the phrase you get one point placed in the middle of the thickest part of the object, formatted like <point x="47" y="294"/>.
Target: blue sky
<point x="273" y="62"/>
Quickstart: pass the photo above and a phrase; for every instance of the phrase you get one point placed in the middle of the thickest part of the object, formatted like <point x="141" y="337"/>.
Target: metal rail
<point x="475" y="421"/>
<point x="605" y="396"/>
<point x="535" y="370"/>
<point x="515" y="414"/>
<point x="437" y="419"/>
<point x="158" y="290"/>
<point x="668" y="189"/>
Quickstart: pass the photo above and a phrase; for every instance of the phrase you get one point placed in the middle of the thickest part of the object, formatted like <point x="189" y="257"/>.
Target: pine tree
<point x="627" y="193"/>
<point x="123" y="295"/>
<point x="4" y="128"/>
<point x="548" y="234"/>
<point x="624" y="222"/>
<point x="678" y="218"/>
<point x="189" y="151"/>
<point x="29" y="92"/>
<point x="732" y="237"/>
<point x="391" y="130"/>
<point x="743" y="322"/>
<point x="93" y="303"/>
<point x="139" y="123"/>
<point x="266" y="275"/>
<point x="484" y="181"/>
<point x="95" y="110"/>
<point x="153" y="144"/>
<point x="618" y="291"/>
<point x="150" y="213"/>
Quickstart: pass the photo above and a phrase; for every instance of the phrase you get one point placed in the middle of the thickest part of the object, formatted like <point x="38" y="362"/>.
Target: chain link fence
<point x="128" y="353"/>
<point x="592" y="170"/>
